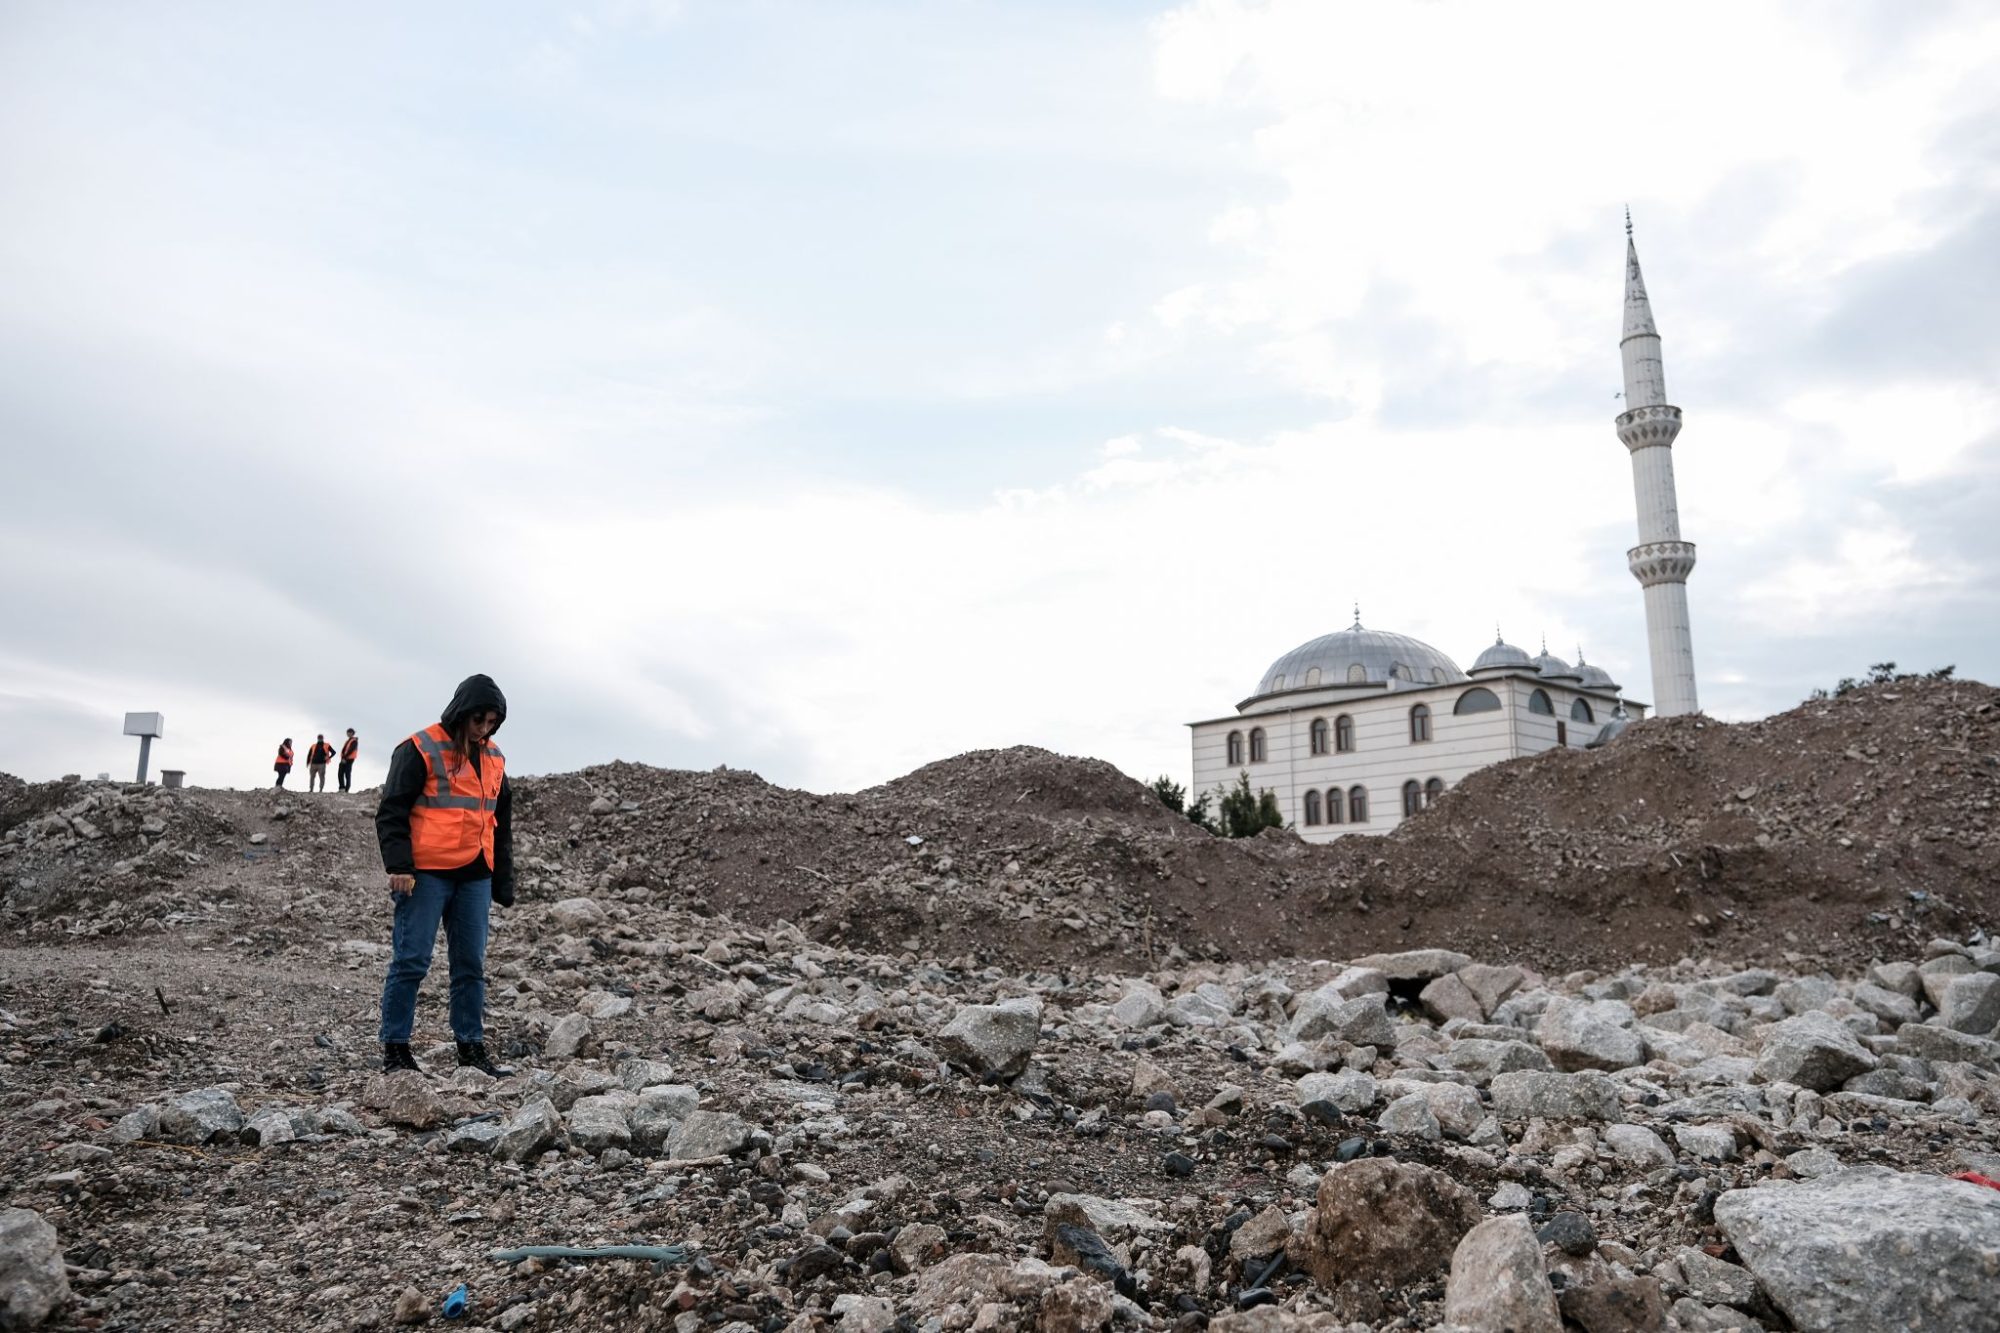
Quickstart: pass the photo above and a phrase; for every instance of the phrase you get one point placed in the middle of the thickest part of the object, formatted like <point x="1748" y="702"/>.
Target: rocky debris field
<point x="1844" y="831"/>
<point x="192" y="1137"/>
<point x="1692" y="1032"/>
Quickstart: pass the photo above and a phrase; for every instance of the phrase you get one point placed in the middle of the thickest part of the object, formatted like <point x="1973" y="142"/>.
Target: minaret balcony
<point x="1661" y="562"/>
<point x="1645" y="427"/>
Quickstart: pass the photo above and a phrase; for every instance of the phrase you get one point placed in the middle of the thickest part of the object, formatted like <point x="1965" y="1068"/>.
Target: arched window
<point x="1413" y="797"/>
<point x="1312" y="807"/>
<point x="1400" y="671"/>
<point x="1538" y="702"/>
<point x="1433" y="789"/>
<point x="1580" y="711"/>
<point x="1420" y="724"/>
<point x="1312" y="677"/>
<point x="1479" y="699"/>
<point x="1319" y="735"/>
<point x="1277" y="682"/>
<point x="1256" y="745"/>
<point x="1235" y="749"/>
<point x="1357" y="674"/>
<point x="1437" y="675"/>
<point x="1343" y="734"/>
<point x="1333" y="804"/>
<point x="1357" y="805"/>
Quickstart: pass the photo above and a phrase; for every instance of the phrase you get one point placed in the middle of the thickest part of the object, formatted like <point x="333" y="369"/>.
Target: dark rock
<point x="1179" y="1164"/>
<point x="1569" y="1232"/>
<point x="1349" y="1149"/>
<point x="814" y="1261"/>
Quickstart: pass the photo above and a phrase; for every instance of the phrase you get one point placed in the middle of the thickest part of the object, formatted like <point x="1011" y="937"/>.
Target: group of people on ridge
<point x="318" y="755"/>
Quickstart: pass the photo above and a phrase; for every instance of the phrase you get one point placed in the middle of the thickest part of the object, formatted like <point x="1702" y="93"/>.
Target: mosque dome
<point x="1356" y="656"/>
<point x="1554" y="668"/>
<point x="1501" y="656"/>
<point x="1594" y="677"/>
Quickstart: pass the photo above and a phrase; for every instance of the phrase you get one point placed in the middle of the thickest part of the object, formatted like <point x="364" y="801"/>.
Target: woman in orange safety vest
<point x="284" y="764"/>
<point x="445" y="826"/>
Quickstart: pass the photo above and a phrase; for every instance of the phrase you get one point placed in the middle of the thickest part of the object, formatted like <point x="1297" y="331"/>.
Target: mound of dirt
<point x="1842" y="831"/>
<point x="1838" y="829"/>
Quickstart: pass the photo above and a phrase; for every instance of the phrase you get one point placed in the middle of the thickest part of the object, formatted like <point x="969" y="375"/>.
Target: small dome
<point x="1501" y="656"/>
<point x="1612" y="729"/>
<point x="1357" y="656"/>
<point x="1553" y="667"/>
<point x="1594" y="677"/>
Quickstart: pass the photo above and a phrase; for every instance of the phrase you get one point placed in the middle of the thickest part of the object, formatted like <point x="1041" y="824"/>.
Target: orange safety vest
<point x="285" y="755"/>
<point x="350" y="749"/>
<point x="456" y="813"/>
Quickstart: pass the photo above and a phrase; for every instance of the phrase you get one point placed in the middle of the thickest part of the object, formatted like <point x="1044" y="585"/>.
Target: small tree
<point x="1245" y="813"/>
<point x="1881" y="673"/>
<point x="1174" y="797"/>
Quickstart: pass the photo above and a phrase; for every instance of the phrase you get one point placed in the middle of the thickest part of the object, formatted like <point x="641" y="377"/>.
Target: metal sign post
<point x="145" y="726"/>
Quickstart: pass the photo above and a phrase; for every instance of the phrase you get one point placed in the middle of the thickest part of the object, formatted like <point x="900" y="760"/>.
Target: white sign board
<point x="145" y="724"/>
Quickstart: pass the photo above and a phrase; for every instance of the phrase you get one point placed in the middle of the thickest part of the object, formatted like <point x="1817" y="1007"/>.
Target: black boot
<point x="396" y="1055"/>
<point x="472" y="1055"/>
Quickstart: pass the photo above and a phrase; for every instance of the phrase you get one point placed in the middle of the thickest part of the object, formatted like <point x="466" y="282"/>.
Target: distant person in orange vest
<point x="348" y="749"/>
<point x="446" y="829"/>
<point x="284" y="764"/>
<point x="318" y="755"/>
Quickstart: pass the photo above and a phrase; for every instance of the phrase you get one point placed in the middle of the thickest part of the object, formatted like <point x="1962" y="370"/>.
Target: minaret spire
<point x="1661" y="561"/>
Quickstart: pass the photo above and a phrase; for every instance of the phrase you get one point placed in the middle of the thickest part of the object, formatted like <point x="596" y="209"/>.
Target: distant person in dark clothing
<point x="348" y="749"/>
<point x="446" y="829"/>
<point x="284" y="764"/>
<point x="318" y="755"/>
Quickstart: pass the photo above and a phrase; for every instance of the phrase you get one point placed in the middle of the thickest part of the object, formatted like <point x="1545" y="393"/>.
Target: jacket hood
<point x="475" y="693"/>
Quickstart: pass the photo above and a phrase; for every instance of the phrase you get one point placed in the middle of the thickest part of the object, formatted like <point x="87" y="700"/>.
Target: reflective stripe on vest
<point x="453" y="819"/>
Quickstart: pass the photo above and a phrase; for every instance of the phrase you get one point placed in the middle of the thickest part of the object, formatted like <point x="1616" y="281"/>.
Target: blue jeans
<point x="463" y="909"/>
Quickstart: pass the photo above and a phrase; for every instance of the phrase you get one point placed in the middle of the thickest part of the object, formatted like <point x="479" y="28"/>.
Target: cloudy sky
<point x="825" y="388"/>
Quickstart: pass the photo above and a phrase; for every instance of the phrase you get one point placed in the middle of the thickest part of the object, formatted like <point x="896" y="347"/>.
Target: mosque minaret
<point x="1661" y="561"/>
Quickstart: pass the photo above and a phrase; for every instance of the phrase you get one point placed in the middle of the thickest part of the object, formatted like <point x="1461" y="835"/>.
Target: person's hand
<point x="402" y="885"/>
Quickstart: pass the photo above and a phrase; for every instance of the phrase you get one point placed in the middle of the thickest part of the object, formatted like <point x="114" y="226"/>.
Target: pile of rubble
<point x="1845" y="830"/>
<point x="61" y="844"/>
<point x="797" y="1136"/>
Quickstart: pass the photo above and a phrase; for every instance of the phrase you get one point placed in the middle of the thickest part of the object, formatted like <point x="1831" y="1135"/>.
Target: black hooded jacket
<point x="405" y="783"/>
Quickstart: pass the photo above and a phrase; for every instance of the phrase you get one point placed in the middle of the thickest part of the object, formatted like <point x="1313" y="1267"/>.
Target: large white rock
<point x="600" y="1122"/>
<point x="1594" y="1034"/>
<point x="1363" y="1021"/>
<point x="1352" y="1090"/>
<point x="1872" y="1248"/>
<point x="567" y="1038"/>
<point x="1638" y="1146"/>
<point x="1971" y="1003"/>
<point x="1498" y="1283"/>
<point x="1141" y="1006"/>
<point x="200" y="1116"/>
<point x="709" y="1134"/>
<point x="532" y="1128"/>
<point x="1527" y="1094"/>
<point x="1814" y="1050"/>
<point x="32" y="1279"/>
<point x="576" y="914"/>
<point x="992" y="1039"/>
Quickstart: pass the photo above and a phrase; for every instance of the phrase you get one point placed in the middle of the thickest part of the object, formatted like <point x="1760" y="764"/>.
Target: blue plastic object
<point x="454" y="1304"/>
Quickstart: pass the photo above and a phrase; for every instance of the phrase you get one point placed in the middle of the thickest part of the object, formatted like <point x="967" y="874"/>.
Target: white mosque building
<point x="1360" y="729"/>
